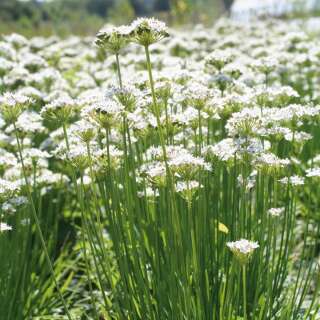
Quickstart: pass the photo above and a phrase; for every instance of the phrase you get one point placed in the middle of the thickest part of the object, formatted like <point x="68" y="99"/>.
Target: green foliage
<point x="64" y="17"/>
<point x="121" y="12"/>
<point x="189" y="11"/>
<point x="26" y="286"/>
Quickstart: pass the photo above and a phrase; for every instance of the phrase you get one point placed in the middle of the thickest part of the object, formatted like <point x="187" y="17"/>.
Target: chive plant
<point x="191" y="184"/>
<point x="12" y="107"/>
<point x="172" y="210"/>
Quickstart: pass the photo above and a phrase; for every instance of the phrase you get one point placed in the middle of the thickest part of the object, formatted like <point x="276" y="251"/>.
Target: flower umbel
<point x="147" y="31"/>
<point x="113" y="39"/>
<point x="243" y="249"/>
<point x="12" y="105"/>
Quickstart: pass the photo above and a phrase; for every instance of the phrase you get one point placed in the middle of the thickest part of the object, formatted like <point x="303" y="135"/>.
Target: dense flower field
<point x="151" y="173"/>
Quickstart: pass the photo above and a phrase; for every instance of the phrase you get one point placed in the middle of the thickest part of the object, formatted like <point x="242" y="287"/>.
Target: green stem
<point x="244" y="287"/>
<point x="36" y="219"/>
<point x="118" y="70"/>
<point x="79" y="194"/>
<point x="95" y="200"/>
<point x="155" y="104"/>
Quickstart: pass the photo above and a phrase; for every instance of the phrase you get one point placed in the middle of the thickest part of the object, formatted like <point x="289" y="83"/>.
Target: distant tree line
<point x="85" y="15"/>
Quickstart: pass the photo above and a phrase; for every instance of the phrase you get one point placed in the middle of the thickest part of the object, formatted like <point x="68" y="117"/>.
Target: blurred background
<point x="85" y="17"/>
<point x="63" y="17"/>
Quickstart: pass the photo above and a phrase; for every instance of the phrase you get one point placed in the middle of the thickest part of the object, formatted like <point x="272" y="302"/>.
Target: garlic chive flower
<point x="219" y="59"/>
<point x="106" y="113"/>
<point x="293" y="180"/>
<point x="197" y="95"/>
<point x="147" y="31"/>
<point x="12" y="105"/>
<point x="105" y="159"/>
<point x="270" y="163"/>
<point x="155" y="172"/>
<point x="163" y="89"/>
<point x="60" y="109"/>
<point x="313" y="172"/>
<point x="7" y="189"/>
<point x="276" y="212"/>
<point x="243" y="249"/>
<point x="78" y="157"/>
<point x="4" y="227"/>
<point x="113" y="39"/>
<point x="188" y="166"/>
<point x="126" y="96"/>
<point x="187" y="189"/>
<point x="85" y="130"/>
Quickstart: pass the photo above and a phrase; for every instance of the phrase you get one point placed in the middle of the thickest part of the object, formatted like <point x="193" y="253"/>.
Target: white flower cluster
<point x="7" y="189"/>
<point x="223" y="101"/>
<point x="243" y="249"/>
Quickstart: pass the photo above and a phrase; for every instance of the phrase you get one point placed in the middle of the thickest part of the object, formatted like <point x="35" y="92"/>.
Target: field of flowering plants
<point x="149" y="173"/>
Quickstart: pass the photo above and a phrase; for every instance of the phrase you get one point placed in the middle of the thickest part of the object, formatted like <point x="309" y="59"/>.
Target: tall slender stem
<point x="244" y="287"/>
<point x="36" y="219"/>
<point x="119" y="71"/>
<point x="155" y="104"/>
<point x="79" y="193"/>
<point x="95" y="200"/>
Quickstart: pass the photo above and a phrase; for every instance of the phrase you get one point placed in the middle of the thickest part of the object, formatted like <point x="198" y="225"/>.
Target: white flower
<point x="7" y="207"/>
<point x="186" y="165"/>
<point x="276" y="212"/>
<point x="49" y="178"/>
<point x="197" y="94"/>
<point x="113" y="38"/>
<point x="156" y="169"/>
<point x="243" y="249"/>
<point x="298" y="136"/>
<point x="7" y="189"/>
<point x="219" y="58"/>
<point x="249" y="182"/>
<point x="149" y="193"/>
<point x="147" y="31"/>
<point x="4" y="227"/>
<point x="186" y="117"/>
<point x="16" y="40"/>
<point x="187" y="189"/>
<point x="86" y="180"/>
<point x="85" y="130"/>
<point x="182" y="186"/>
<point x="223" y="150"/>
<point x="7" y="159"/>
<point x="12" y="105"/>
<point x="245" y="123"/>
<point x="313" y="172"/>
<point x="106" y="112"/>
<point x="294" y="180"/>
<point x="270" y="160"/>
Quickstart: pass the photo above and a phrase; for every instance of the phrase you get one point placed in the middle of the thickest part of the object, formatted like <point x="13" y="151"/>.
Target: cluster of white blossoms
<point x="243" y="249"/>
<point x="12" y="105"/>
<point x="223" y="102"/>
<point x="293" y="180"/>
<point x="4" y="227"/>
<point x="313" y="172"/>
<point x="7" y="189"/>
<point x="145" y="31"/>
<point x="276" y="212"/>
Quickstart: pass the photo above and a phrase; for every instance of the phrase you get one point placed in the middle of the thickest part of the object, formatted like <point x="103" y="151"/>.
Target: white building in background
<point x="245" y="9"/>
